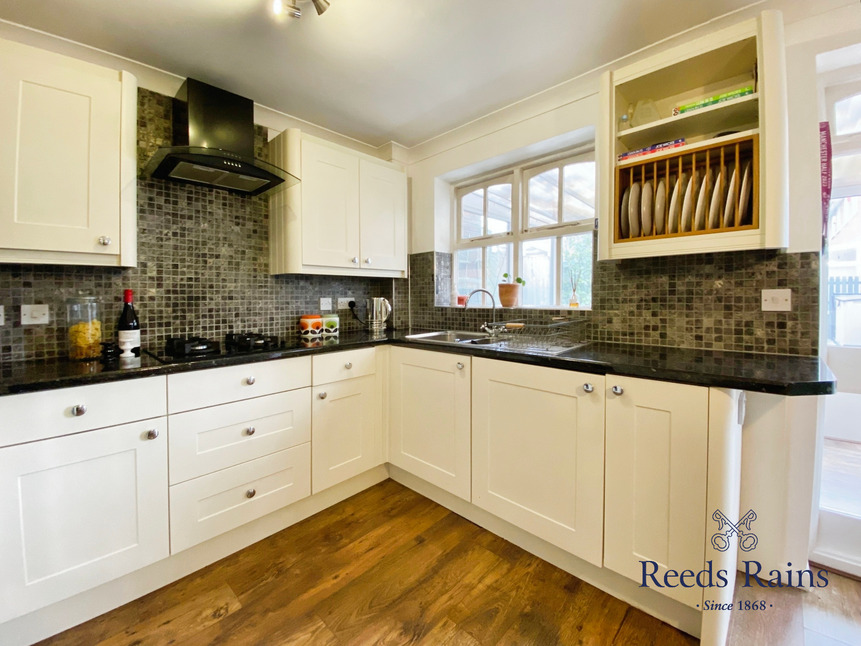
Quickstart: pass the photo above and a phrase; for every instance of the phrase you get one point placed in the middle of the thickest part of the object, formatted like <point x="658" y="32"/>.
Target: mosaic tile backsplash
<point x="203" y="267"/>
<point x="705" y="301"/>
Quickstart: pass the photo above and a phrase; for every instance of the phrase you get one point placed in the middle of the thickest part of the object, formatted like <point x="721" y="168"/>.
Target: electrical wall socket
<point x="2" y="315"/>
<point x="35" y="314"/>
<point x="325" y="304"/>
<point x="344" y="303"/>
<point x="776" y="300"/>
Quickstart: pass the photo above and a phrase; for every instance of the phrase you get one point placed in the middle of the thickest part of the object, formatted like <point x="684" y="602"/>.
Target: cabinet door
<point x="429" y="420"/>
<point x="346" y="430"/>
<point x="538" y="452"/>
<point x="655" y="486"/>
<point x="330" y="206"/>
<point x="60" y="162"/>
<point x="80" y="510"/>
<point x="383" y="216"/>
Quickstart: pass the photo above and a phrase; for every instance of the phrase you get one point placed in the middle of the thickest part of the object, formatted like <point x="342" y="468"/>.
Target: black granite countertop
<point x="776" y="374"/>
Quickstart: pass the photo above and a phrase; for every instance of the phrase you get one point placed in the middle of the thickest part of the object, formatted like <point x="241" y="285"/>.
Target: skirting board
<point x="62" y="615"/>
<point x="667" y="610"/>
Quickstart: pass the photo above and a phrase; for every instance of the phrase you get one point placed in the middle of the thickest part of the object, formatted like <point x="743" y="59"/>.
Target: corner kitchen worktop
<point x="767" y="373"/>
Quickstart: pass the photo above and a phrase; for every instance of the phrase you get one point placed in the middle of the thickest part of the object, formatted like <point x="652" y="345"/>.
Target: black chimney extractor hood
<point x="213" y="136"/>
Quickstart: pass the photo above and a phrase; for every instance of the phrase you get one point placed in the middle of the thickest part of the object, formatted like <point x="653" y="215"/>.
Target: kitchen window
<point x="535" y="221"/>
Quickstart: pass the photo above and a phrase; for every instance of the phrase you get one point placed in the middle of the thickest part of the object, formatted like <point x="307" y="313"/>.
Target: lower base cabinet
<point x="80" y="510"/>
<point x="429" y="417"/>
<point x="656" y="480"/>
<point x="538" y="452"/>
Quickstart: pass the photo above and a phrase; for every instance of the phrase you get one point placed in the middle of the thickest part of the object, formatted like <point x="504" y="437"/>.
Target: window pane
<point x="844" y="271"/>
<point x="577" y="268"/>
<point x="846" y="172"/>
<point x="544" y="198"/>
<point x="499" y="208"/>
<point x="847" y="115"/>
<point x="498" y="263"/>
<point x="538" y="265"/>
<point x="467" y="272"/>
<point x="578" y="200"/>
<point x="472" y="214"/>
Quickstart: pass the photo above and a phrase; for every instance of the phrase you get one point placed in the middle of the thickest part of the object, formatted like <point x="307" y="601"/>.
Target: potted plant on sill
<point x="509" y="291"/>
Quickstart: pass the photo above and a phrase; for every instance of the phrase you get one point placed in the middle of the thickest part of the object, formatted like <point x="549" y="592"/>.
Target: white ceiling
<point x="375" y="70"/>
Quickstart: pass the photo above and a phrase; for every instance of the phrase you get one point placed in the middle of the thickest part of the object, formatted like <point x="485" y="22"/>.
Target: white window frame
<point x="520" y="231"/>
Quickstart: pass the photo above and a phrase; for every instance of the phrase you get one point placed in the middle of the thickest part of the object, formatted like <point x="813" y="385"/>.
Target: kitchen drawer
<point x="336" y="366"/>
<point x="216" y="503"/>
<point x="190" y="390"/>
<point x="51" y="413"/>
<point x="209" y="439"/>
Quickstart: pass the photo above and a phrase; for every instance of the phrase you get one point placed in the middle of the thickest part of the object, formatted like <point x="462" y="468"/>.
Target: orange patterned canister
<point x="310" y="326"/>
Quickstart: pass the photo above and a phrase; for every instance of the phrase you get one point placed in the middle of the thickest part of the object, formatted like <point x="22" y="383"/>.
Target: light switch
<point x="776" y="300"/>
<point x="35" y="314"/>
<point x="325" y="304"/>
<point x="2" y="315"/>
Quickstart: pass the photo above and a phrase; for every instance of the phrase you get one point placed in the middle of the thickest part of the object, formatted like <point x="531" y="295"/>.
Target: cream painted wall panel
<point x="655" y="480"/>
<point x="80" y="510"/>
<point x="429" y="433"/>
<point x="538" y="452"/>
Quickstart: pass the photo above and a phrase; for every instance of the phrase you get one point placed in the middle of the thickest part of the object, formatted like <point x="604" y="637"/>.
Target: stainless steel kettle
<point x="378" y="310"/>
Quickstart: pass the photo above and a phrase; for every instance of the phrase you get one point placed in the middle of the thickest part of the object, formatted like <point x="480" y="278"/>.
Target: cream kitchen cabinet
<point x="429" y="417"/>
<point x="346" y="431"/>
<point x="656" y="465"/>
<point x="538" y="452"/>
<point x="348" y="216"/>
<point x="67" y="160"/>
<point x="80" y="505"/>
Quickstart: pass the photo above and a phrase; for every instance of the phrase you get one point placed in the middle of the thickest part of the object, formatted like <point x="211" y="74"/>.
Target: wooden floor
<point x="386" y="566"/>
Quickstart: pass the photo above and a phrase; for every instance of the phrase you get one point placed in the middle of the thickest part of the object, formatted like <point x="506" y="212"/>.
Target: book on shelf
<point x="648" y="150"/>
<point x="718" y="98"/>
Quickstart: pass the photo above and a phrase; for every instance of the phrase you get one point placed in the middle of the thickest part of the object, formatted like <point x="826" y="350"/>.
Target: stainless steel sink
<point x="447" y="336"/>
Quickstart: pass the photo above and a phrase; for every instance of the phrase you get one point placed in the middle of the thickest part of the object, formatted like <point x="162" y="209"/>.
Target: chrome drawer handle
<point x="588" y="388"/>
<point x="250" y="430"/>
<point x="322" y="395"/>
<point x="152" y="434"/>
<point x="367" y="261"/>
<point x="618" y="390"/>
<point x="348" y="365"/>
<point x="105" y="241"/>
<point x="355" y="260"/>
<point x="79" y="410"/>
<point x="250" y="381"/>
<point x="250" y="493"/>
<point x="459" y="365"/>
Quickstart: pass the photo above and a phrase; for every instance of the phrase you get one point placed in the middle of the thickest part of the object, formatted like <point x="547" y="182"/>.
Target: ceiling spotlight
<point x="320" y="6"/>
<point x="279" y="7"/>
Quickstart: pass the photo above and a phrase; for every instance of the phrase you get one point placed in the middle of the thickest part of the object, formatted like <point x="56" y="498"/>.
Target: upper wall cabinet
<point x="68" y="186"/>
<point x="348" y="216"/>
<point x="693" y="147"/>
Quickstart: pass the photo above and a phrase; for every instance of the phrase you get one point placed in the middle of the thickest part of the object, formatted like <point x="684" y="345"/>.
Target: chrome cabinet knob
<point x="250" y="430"/>
<point x="251" y="493"/>
<point x="348" y="365"/>
<point x="355" y="260"/>
<point x="79" y="410"/>
<point x="322" y="395"/>
<point x="152" y="434"/>
<point x="250" y="381"/>
<point x="367" y="261"/>
<point x="105" y="241"/>
<point x="588" y="388"/>
<point x="618" y="390"/>
<point x="459" y="365"/>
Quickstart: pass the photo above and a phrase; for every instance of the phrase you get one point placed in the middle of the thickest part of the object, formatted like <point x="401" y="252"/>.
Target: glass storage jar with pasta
<point x="85" y="327"/>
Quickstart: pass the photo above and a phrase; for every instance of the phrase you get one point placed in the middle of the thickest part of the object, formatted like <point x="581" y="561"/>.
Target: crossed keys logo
<point x="747" y="540"/>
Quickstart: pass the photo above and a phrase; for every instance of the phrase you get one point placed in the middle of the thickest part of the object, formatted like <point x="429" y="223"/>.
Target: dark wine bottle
<point x="129" y="328"/>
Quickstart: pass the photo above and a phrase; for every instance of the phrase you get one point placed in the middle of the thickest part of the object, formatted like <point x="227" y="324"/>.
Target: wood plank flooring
<point x="386" y="566"/>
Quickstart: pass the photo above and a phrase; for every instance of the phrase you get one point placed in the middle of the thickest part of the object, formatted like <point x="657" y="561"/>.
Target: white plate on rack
<point x="729" y="204"/>
<point x="646" y="204"/>
<point x="744" y="196"/>
<point x="702" y="201"/>
<point x="688" y="203"/>
<point x="623" y="214"/>
<point x="676" y="204"/>
<point x="634" y="210"/>
<point x="660" y="212"/>
<point x="714" y="208"/>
